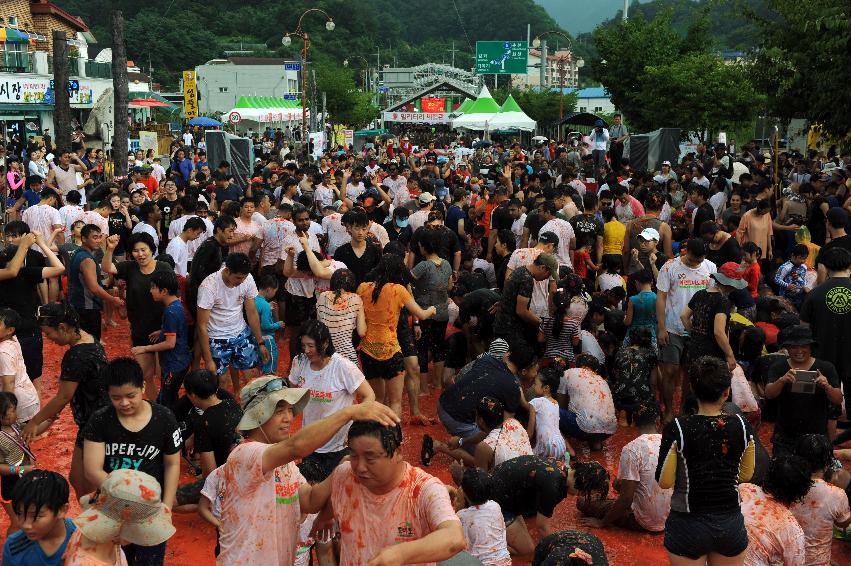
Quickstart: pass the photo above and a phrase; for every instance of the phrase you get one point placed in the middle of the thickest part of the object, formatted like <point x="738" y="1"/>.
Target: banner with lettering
<point x="190" y="95"/>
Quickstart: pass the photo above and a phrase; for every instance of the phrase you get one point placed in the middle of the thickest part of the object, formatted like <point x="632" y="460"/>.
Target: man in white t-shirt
<point x="178" y="248"/>
<point x="157" y="170"/>
<point x="223" y="332"/>
<point x="641" y="504"/>
<point x="561" y="228"/>
<point x="519" y="220"/>
<point x="677" y="283"/>
<point x="44" y="218"/>
<point x="187" y="138"/>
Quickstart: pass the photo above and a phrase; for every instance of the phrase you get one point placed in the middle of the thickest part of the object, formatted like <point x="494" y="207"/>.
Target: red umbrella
<point x="148" y="103"/>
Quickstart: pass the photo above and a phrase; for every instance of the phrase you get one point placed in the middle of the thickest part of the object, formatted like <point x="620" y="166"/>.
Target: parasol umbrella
<point x="387" y="136"/>
<point x="204" y="121"/>
<point x="539" y="139"/>
<point x="482" y="143"/>
<point x="148" y="103"/>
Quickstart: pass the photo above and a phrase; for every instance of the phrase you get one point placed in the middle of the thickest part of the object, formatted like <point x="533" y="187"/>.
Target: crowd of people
<point x="544" y="297"/>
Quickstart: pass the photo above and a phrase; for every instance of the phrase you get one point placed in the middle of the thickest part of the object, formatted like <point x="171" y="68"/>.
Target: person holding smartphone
<point x="805" y="402"/>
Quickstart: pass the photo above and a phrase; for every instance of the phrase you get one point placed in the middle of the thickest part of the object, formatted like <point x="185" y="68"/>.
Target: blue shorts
<point x="270" y="367"/>
<point x="238" y="352"/>
<point x="568" y="426"/>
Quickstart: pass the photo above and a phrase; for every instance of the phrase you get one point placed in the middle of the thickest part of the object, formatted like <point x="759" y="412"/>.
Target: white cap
<point x="649" y="234"/>
<point x="668" y="163"/>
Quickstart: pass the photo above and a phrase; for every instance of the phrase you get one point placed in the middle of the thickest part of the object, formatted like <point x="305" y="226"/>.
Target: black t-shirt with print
<point x="83" y="364"/>
<point x="215" y="428"/>
<point x="827" y="309"/>
<point x="704" y="307"/>
<point x="142" y="450"/>
<point x="117" y="226"/>
<point x="587" y="226"/>
<point x="520" y="284"/>
<point x="527" y="485"/>
<point x="167" y="208"/>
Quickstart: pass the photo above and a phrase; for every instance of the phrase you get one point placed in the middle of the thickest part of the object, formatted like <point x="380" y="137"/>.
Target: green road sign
<point x="501" y="57"/>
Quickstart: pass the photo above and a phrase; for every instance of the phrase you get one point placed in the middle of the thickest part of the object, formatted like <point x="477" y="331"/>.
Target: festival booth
<point x="264" y="110"/>
<point x="238" y="151"/>
<point x="646" y="152"/>
<point x="511" y="118"/>
<point x="479" y="114"/>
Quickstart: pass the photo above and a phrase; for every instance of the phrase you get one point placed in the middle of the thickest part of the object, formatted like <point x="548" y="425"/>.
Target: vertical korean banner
<point x="190" y="95"/>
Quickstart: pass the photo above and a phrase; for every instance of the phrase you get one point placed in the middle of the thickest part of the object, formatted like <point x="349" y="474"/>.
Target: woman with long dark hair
<point x="560" y="332"/>
<point x="381" y="355"/>
<point x="341" y="310"/>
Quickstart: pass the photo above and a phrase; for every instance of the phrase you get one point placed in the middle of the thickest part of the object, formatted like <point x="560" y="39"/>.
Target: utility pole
<point x="62" y="98"/>
<point x="625" y="9"/>
<point x="543" y="64"/>
<point x="453" y="50"/>
<point x="120" y="136"/>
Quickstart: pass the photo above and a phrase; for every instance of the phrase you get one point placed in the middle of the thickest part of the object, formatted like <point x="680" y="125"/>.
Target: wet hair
<point x="800" y="250"/>
<point x="696" y="247"/>
<point x="608" y="213"/>
<point x="54" y="314"/>
<point x="507" y="239"/>
<point x="145" y="211"/>
<point x="74" y="197"/>
<point x="588" y="361"/>
<point x="390" y="437"/>
<point x="491" y="411"/>
<point x="390" y="269"/>
<point x="752" y="342"/>
<point x="787" y="480"/>
<point x="10" y="318"/>
<point x="396" y="248"/>
<point x="561" y="300"/>
<point x="646" y="413"/>
<point x="123" y="371"/>
<point x="476" y="485"/>
<point x="356" y="218"/>
<point x="8" y="400"/>
<point x="343" y="280"/>
<point x="231" y="208"/>
<point x="521" y="356"/>
<point x="223" y="222"/>
<point x="165" y="280"/>
<point x="320" y="334"/>
<point x="16" y="228"/>
<point x="268" y="281"/>
<point x="90" y="229"/>
<point x="589" y="477"/>
<point x="643" y="276"/>
<point x="194" y="223"/>
<point x="835" y="259"/>
<point x="140" y="238"/>
<point x="817" y="450"/>
<point x="612" y="263"/>
<point x="641" y="336"/>
<point x="238" y="263"/>
<point x="752" y="248"/>
<point x="40" y="489"/>
<point x="709" y="378"/>
<point x="550" y="376"/>
<point x="166" y="258"/>
<point x="312" y="471"/>
<point x="430" y="240"/>
<point x="202" y="383"/>
<point x="302" y="263"/>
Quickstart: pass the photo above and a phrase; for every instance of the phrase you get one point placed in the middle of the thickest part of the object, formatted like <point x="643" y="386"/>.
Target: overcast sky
<point x="577" y="16"/>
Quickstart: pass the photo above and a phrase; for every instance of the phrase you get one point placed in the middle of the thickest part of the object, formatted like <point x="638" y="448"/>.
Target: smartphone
<point x="805" y="382"/>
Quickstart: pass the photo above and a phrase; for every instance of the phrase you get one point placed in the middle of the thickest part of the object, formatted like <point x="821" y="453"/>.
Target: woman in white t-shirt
<point x="334" y="383"/>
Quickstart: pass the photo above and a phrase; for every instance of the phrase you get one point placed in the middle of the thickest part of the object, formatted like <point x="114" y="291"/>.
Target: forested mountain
<point x="177" y="34"/>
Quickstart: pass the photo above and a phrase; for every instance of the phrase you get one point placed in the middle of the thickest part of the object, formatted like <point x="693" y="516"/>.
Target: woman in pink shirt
<point x="756" y="226"/>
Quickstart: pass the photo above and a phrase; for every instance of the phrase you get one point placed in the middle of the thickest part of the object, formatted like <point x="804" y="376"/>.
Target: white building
<point x="552" y="75"/>
<point x="221" y="82"/>
<point x="593" y="99"/>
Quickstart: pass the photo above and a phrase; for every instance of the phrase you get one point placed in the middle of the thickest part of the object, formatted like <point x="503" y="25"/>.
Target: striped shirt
<point x="341" y="318"/>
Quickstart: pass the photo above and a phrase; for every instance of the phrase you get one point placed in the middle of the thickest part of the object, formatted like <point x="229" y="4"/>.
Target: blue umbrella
<point x="204" y="122"/>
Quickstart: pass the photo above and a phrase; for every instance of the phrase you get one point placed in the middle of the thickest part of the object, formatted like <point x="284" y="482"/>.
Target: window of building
<point x="13" y="20"/>
<point x="583" y="109"/>
<point x="223" y="89"/>
<point x="15" y="56"/>
<point x="598" y="109"/>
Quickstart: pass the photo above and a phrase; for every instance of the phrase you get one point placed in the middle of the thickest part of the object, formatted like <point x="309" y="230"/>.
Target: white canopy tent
<point x="511" y="117"/>
<point x="478" y="116"/>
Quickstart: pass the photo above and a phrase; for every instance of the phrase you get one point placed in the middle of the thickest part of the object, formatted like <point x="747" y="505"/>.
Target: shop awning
<point x="12" y="35"/>
<point x="147" y="96"/>
<point x="26" y="107"/>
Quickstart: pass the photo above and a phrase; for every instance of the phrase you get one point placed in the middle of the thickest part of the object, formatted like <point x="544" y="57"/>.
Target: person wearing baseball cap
<point x="709" y="308"/>
<point x="515" y="321"/>
<point x="126" y="509"/>
<point x="261" y="513"/>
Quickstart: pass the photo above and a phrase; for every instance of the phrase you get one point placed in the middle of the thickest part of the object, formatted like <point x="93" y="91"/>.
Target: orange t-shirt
<point x="151" y="185"/>
<point x="260" y="512"/>
<point x="382" y="317"/>
<point x="370" y="522"/>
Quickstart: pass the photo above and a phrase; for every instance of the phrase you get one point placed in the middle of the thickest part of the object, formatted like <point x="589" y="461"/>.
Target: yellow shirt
<point x="613" y="235"/>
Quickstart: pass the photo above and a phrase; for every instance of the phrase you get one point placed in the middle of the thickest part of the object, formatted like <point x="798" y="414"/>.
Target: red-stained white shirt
<point x="651" y="503"/>
<point x="774" y="536"/>
<point x="824" y="505"/>
<point x="370" y="522"/>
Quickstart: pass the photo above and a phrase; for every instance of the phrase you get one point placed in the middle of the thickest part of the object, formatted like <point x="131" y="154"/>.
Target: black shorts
<point x="382" y="369"/>
<point x="90" y="321"/>
<point x="433" y="340"/>
<point x="32" y="348"/>
<point x="693" y="535"/>
<point x="7" y="484"/>
<point x="319" y="465"/>
<point x="299" y="310"/>
<point x="456" y="351"/>
<point x="405" y="337"/>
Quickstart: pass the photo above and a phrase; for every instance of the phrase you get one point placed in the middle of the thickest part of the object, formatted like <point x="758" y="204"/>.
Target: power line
<point x="461" y="23"/>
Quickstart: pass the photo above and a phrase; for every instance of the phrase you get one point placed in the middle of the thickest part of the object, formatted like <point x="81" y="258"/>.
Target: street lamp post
<point x="287" y="40"/>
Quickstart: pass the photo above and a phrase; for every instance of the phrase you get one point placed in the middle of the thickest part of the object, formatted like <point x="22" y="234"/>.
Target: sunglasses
<point x="270" y="387"/>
